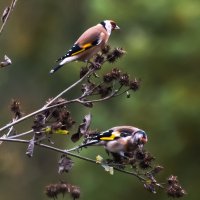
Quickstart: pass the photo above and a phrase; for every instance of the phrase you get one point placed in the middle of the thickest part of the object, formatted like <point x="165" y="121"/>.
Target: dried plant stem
<point x="12" y="5"/>
<point x="69" y="88"/>
<point x="20" y="134"/>
<point x="71" y="154"/>
<point x="47" y="106"/>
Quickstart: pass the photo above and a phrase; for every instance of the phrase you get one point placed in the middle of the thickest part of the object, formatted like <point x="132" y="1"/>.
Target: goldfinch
<point x="88" y="44"/>
<point x="119" y="139"/>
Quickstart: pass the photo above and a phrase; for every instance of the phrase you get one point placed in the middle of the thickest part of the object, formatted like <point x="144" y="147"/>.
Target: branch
<point x="70" y="87"/>
<point x="20" y="134"/>
<point x="71" y="154"/>
<point x="47" y="106"/>
<point x="12" y="5"/>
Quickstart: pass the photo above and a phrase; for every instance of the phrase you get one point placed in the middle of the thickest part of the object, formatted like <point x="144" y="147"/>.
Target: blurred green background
<point x="162" y="40"/>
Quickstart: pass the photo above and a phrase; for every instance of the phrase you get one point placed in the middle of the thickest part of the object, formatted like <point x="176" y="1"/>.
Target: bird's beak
<point x="117" y="27"/>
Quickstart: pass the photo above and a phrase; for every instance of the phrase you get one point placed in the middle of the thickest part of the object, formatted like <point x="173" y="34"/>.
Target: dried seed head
<point x="104" y="91"/>
<point x="51" y="191"/>
<point x="83" y="71"/>
<point x="134" y="84"/>
<point x="116" y="73"/>
<point x="99" y="59"/>
<point x="110" y="58"/>
<point x="75" y="192"/>
<point x="108" y="78"/>
<point x="65" y="164"/>
<point x="146" y="162"/>
<point x="124" y="79"/>
<point x="106" y="49"/>
<point x="175" y="191"/>
<point x="39" y="122"/>
<point x="140" y="155"/>
<point x="157" y="169"/>
<point x="15" y="108"/>
<point x="115" y="54"/>
<point x="66" y="119"/>
<point x="172" y="180"/>
<point x="118" y="52"/>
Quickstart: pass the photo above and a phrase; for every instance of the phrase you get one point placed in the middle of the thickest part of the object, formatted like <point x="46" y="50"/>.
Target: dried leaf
<point x="157" y="169"/>
<point x="108" y="169"/>
<point x="53" y="130"/>
<point x="16" y="109"/>
<point x="99" y="159"/>
<point x="86" y="124"/>
<point x="149" y="185"/>
<point x="104" y="164"/>
<point x="5" y="14"/>
<point x="39" y="123"/>
<point x="30" y="149"/>
<point x="64" y="164"/>
<point x="82" y="129"/>
<point x="75" y="137"/>
<point x="7" y="61"/>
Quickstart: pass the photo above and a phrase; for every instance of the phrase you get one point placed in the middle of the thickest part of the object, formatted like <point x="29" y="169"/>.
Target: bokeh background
<point x="162" y="40"/>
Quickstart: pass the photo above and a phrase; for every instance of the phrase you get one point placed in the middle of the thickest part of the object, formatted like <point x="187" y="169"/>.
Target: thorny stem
<point x="72" y="154"/>
<point x="47" y="107"/>
<point x="12" y="5"/>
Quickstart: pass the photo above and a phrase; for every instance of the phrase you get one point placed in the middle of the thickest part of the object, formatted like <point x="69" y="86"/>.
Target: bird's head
<point x="140" y="137"/>
<point x="109" y="25"/>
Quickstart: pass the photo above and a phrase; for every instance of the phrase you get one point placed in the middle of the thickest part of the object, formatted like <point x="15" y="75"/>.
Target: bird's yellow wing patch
<point x="83" y="48"/>
<point x="113" y="136"/>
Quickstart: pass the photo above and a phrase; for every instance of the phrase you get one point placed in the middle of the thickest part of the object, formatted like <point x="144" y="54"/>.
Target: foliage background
<point x="163" y="45"/>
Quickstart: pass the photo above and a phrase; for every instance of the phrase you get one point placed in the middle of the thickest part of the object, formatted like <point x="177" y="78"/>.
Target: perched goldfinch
<point x="120" y="139"/>
<point x="88" y="44"/>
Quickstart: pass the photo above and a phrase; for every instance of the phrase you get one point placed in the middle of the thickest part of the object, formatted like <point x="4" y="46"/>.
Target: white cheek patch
<point x="108" y="27"/>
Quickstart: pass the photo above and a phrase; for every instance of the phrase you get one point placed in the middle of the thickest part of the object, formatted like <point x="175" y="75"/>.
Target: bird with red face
<point x="119" y="139"/>
<point x="88" y="44"/>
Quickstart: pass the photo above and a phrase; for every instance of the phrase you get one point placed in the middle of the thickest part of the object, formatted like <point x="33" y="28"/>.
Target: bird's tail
<point x="55" y="69"/>
<point x="62" y="62"/>
<point x="83" y="145"/>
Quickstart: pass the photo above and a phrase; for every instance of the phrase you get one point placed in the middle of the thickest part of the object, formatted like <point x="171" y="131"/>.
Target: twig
<point x="69" y="88"/>
<point x="12" y="5"/>
<point x="71" y="154"/>
<point x="47" y="107"/>
<point x="20" y="134"/>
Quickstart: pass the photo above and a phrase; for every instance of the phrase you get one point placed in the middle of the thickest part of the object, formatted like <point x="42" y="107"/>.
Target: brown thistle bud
<point x="124" y="79"/>
<point x="15" y="108"/>
<point x="106" y="49"/>
<point x="134" y="84"/>
<point x="75" y="192"/>
<point x="99" y="59"/>
<point x="108" y="78"/>
<point x="116" y="73"/>
<point x="83" y="71"/>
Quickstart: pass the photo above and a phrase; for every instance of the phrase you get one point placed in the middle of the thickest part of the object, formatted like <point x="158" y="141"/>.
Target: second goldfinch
<point x="119" y="139"/>
<point x="88" y="44"/>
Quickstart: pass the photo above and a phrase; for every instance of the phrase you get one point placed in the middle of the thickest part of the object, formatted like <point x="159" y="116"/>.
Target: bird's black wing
<point x="76" y="49"/>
